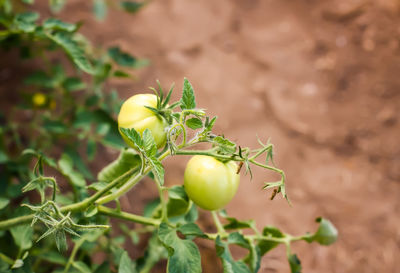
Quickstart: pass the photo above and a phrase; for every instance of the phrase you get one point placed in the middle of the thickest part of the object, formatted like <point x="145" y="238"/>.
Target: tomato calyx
<point x="163" y="110"/>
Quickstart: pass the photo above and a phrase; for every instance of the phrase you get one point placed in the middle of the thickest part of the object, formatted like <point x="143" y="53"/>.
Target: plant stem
<point x="73" y="254"/>
<point x="261" y="151"/>
<point x="284" y="240"/>
<point x="268" y="167"/>
<point x="164" y="212"/>
<point x="100" y="199"/>
<point x="73" y="207"/>
<point x="16" y="221"/>
<point x="218" y="224"/>
<point x="128" y="216"/>
<point x="129" y="184"/>
<point x="209" y="153"/>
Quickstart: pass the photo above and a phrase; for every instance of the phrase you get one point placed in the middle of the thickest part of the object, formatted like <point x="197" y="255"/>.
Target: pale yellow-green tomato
<point x="39" y="99"/>
<point x="210" y="183"/>
<point x="134" y="114"/>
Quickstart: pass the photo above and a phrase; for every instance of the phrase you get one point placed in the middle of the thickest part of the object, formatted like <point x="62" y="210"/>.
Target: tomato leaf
<point x="56" y="24"/>
<point x="295" y="264"/>
<point x="125" y="59"/>
<point x="131" y="6"/>
<point x="194" y="123"/>
<point x="125" y="264"/>
<point x="79" y="163"/>
<point x="178" y="201"/>
<point x="73" y="84"/>
<point x="81" y="267"/>
<point x="253" y="259"/>
<point x="188" y="100"/>
<point x="158" y="169"/>
<point x="23" y="236"/>
<point x="66" y="167"/>
<point x="40" y="78"/>
<point x="73" y="49"/>
<point x="149" y="143"/>
<point x="192" y="215"/>
<point x="228" y="263"/>
<point x="265" y="245"/>
<point x="3" y="202"/>
<point x="209" y="124"/>
<point x="191" y="229"/>
<point x="238" y="224"/>
<point x="91" y="149"/>
<point x="238" y="239"/>
<point x="133" y="136"/>
<point x="127" y="159"/>
<point x="184" y="256"/>
<point x="53" y="257"/>
<point x="326" y="233"/>
<point x="103" y="268"/>
<point x="154" y="252"/>
<point x="26" y="21"/>
<point x="225" y="145"/>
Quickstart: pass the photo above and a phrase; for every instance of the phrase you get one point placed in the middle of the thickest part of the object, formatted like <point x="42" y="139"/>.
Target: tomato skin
<point x="134" y="114"/>
<point x="210" y="183"/>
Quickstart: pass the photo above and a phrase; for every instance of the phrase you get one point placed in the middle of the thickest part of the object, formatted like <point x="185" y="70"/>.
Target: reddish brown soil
<point x="321" y="78"/>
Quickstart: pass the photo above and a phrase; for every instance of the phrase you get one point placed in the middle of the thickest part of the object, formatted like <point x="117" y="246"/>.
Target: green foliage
<point x="127" y="159"/>
<point x="72" y="118"/>
<point x="229" y="264"/>
<point x="125" y="265"/>
<point x="132" y="6"/>
<point x="188" y="99"/>
<point x="146" y="146"/>
<point x="124" y="59"/>
<point x="183" y="254"/>
<point x="295" y="264"/>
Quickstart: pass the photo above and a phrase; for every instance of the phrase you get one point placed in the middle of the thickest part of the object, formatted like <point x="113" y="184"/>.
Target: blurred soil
<point x="320" y="78"/>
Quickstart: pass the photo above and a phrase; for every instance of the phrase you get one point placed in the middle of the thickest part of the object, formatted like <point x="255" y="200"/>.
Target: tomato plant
<point x="56" y="215"/>
<point x="210" y="183"/>
<point x="210" y="180"/>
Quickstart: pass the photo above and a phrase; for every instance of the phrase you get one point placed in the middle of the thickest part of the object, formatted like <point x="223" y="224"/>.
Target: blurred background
<point x="320" y="78"/>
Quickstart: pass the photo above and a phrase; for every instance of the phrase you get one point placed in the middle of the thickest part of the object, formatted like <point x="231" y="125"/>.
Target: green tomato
<point x="210" y="183"/>
<point x="134" y="114"/>
<point x="39" y="99"/>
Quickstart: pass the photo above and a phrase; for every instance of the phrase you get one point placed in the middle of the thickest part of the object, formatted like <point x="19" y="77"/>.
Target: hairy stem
<point x="100" y="199"/>
<point x="129" y="184"/>
<point x="218" y="224"/>
<point x="73" y="207"/>
<point x="209" y="153"/>
<point x="164" y="212"/>
<point x="73" y="254"/>
<point x="128" y="216"/>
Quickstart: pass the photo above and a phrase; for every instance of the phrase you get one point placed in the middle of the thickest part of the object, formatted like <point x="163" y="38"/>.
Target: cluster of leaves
<point x="60" y="107"/>
<point x="59" y="104"/>
<point x="171" y="222"/>
<point x="70" y="116"/>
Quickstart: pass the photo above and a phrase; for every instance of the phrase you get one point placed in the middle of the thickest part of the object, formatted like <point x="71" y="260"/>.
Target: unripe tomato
<point x="39" y="99"/>
<point x="134" y="114"/>
<point x="210" y="183"/>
